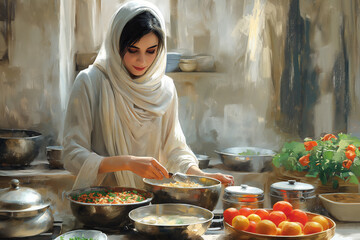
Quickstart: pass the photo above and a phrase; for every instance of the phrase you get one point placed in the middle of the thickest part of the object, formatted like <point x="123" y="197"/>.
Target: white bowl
<point x="343" y="206"/>
<point x="94" y="234"/>
<point x="188" y="66"/>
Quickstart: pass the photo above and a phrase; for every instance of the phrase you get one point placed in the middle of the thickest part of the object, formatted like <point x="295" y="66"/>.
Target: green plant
<point x="327" y="158"/>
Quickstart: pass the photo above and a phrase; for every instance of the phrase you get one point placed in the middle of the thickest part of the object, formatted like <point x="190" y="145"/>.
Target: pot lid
<point x="243" y="189"/>
<point x="292" y="185"/>
<point x="18" y="198"/>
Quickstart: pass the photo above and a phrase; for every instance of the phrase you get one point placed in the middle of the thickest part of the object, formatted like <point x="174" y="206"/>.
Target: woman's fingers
<point x="160" y="169"/>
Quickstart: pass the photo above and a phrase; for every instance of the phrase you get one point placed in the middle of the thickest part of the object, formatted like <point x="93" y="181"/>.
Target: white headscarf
<point x="133" y="101"/>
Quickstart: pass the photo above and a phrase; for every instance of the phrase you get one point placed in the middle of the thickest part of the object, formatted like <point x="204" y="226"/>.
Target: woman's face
<point x="139" y="56"/>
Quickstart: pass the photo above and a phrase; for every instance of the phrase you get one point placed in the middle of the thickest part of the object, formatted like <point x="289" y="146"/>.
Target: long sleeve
<point x="79" y="158"/>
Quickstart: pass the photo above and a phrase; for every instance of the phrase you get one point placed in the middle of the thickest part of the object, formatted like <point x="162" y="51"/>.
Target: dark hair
<point x="137" y="27"/>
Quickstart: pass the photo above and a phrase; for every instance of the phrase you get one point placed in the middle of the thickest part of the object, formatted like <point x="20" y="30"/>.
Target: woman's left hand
<point x="225" y="179"/>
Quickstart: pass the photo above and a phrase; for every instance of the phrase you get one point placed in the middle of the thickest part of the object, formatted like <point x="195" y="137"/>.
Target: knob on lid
<point x="18" y="198"/>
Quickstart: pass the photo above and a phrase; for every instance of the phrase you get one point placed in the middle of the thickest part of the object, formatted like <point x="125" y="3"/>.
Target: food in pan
<point x="170" y="219"/>
<point x="110" y="197"/>
<point x="344" y="198"/>
<point x="187" y="184"/>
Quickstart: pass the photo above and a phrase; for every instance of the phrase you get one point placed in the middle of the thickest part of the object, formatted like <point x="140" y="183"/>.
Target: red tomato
<point x="252" y="227"/>
<point x="309" y="145"/>
<point x="350" y="155"/>
<point x="277" y="217"/>
<point x="283" y="206"/>
<point x="304" y="160"/>
<point x="229" y="214"/>
<point x="246" y="211"/>
<point x="328" y="137"/>
<point x="263" y="213"/>
<point x="351" y="147"/>
<point x="298" y="215"/>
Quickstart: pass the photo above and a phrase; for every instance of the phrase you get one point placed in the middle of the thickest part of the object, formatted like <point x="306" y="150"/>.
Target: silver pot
<point x="23" y="212"/>
<point x="247" y="159"/>
<point x="243" y="196"/>
<point x="19" y="147"/>
<point x="203" y="161"/>
<point x="300" y="195"/>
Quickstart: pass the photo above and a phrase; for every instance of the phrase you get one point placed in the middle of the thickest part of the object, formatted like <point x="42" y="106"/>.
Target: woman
<point x="122" y="116"/>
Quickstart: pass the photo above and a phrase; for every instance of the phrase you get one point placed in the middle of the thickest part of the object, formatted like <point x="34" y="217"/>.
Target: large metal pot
<point x="300" y="195"/>
<point x="19" y="147"/>
<point x="104" y="215"/>
<point x="177" y="231"/>
<point x="23" y="212"/>
<point x="243" y="196"/>
<point x="247" y="159"/>
<point x="206" y="196"/>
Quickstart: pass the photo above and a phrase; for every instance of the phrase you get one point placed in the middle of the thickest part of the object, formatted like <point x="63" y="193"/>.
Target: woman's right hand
<point x="147" y="167"/>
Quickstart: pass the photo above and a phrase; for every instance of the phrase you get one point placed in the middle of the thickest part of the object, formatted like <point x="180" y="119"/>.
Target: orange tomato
<point x="312" y="227"/>
<point x="350" y="155"/>
<point x="298" y="215"/>
<point x="254" y="217"/>
<point x="229" y="214"/>
<point x="309" y="145"/>
<point x="266" y="227"/>
<point x="277" y="217"/>
<point x="322" y="220"/>
<point x="246" y="211"/>
<point x="304" y="160"/>
<point x="263" y="213"/>
<point x="291" y="229"/>
<point x="347" y="163"/>
<point x="283" y="206"/>
<point x="351" y="147"/>
<point x="328" y="137"/>
<point x="252" y="227"/>
<point x="240" y="222"/>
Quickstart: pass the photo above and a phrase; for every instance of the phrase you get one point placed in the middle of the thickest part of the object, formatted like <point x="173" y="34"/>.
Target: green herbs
<point x="249" y="152"/>
<point x="77" y="238"/>
<point x="327" y="158"/>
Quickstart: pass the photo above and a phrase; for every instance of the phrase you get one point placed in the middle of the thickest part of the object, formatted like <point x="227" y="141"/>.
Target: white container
<point x="340" y="206"/>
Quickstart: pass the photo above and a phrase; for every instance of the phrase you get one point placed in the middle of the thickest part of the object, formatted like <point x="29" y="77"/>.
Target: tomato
<point x="351" y="147"/>
<point x="240" y="222"/>
<point x="229" y="214"/>
<point x="350" y="155"/>
<point x="263" y="213"/>
<point x="309" y="145"/>
<point x="246" y="211"/>
<point x="304" y="160"/>
<point x="347" y="163"/>
<point x="252" y="227"/>
<point x="283" y="206"/>
<point x="277" y="217"/>
<point x="298" y="215"/>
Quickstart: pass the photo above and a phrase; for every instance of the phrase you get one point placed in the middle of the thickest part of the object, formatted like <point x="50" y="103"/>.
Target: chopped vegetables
<point x="110" y="197"/>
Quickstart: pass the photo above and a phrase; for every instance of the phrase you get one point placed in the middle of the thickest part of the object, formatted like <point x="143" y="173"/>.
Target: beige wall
<point x="249" y="40"/>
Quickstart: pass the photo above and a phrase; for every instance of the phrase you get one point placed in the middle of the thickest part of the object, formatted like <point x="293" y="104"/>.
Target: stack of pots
<point x="23" y="212"/>
<point x="243" y="196"/>
<point x="300" y="195"/>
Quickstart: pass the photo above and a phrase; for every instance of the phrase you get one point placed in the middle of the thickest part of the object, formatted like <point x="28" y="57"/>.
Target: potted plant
<point x="330" y="159"/>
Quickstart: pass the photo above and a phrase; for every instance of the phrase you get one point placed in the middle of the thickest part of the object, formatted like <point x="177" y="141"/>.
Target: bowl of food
<point x="195" y="190"/>
<point x="203" y="161"/>
<point x="247" y="159"/>
<point x="82" y="234"/>
<point x="19" y="147"/>
<point x="106" y="206"/>
<point x="172" y="220"/>
<point x="342" y="206"/>
<point x="309" y="226"/>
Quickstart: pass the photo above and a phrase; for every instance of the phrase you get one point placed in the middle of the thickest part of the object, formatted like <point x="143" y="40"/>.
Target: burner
<point x="49" y="235"/>
<point x="216" y="225"/>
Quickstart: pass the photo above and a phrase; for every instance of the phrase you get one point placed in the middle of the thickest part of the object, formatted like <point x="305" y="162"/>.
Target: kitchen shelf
<point x="186" y="76"/>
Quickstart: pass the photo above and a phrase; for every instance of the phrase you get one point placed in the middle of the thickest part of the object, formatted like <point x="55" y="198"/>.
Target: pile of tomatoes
<point x="283" y="219"/>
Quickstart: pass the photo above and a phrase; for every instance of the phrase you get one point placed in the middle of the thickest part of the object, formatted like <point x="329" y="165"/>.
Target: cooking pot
<point x="243" y="196"/>
<point x="300" y="195"/>
<point x="23" y="212"/>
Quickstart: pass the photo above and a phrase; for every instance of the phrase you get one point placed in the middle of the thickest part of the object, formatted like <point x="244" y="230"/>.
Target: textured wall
<point x="290" y="68"/>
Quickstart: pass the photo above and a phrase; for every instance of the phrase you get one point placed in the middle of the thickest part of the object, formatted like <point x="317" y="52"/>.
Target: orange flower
<point x="328" y="137"/>
<point x="309" y="145"/>
<point x="350" y="155"/>
<point x="304" y="160"/>
<point x="347" y="163"/>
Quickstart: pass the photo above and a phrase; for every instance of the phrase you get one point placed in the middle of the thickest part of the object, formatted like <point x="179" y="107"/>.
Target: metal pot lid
<point x="18" y="198"/>
<point x="243" y="193"/>
<point x="292" y="185"/>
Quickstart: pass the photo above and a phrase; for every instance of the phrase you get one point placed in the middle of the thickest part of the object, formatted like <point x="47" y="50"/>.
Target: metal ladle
<point x="180" y="177"/>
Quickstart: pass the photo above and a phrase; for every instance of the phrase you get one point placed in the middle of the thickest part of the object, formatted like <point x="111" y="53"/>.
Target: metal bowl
<point x="186" y="230"/>
<point x="203" y="161"/>
<point x="260" y="161"/>
<point x="206" y="197"/>
<point x="104" y="215"/>
<point x="86" y="234"/>
<point x="324" y="235"/>
<point x="19" y="147"/>
<point x="54" y="156"/>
